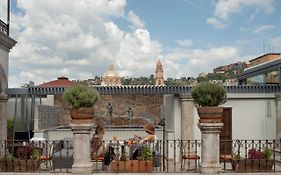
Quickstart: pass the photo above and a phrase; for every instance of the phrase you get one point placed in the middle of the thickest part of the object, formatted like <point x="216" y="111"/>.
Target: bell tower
<point x="159" y="76"/>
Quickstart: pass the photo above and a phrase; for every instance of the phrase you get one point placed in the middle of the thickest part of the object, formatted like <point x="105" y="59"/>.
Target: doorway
<point x="226" y="132"/>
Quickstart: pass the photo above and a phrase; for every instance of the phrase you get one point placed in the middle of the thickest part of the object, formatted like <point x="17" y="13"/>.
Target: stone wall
<point x="48" y="116"/>
<point x="144" y="108"/>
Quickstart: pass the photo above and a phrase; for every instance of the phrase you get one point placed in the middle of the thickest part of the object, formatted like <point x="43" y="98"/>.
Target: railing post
<point x="210" y="149"/>
<point x="82" y="153"/>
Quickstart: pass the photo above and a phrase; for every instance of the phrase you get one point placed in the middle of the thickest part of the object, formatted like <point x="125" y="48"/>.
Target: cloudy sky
<point x="80" y="38"/>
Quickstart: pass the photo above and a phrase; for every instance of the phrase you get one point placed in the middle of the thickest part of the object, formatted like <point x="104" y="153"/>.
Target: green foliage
<point x="35" y="154"/>
<point x="9" y="157"/>
<point x="208" y="94"/>
<point x="267" y="153"/>
<point x="238" y="157"/>
<point x="80" y="96"/>
<point x="10" y="123"/>
<point x="146" y="153"/>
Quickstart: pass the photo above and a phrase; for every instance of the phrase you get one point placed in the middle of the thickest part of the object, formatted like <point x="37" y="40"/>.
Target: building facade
<point x="6" y="44"/>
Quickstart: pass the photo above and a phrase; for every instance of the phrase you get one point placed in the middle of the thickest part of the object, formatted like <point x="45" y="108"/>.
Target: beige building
<point x="111" y="77"/>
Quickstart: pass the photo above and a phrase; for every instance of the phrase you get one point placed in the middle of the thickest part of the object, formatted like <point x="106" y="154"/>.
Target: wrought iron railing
<point x="3" y="27"/>
<point x="158" y="156"/>
<point x="173" y="156"/>
<point x="250" y="155"/>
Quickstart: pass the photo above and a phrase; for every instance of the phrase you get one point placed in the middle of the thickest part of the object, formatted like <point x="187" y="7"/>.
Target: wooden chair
<point x="188" y="155"/>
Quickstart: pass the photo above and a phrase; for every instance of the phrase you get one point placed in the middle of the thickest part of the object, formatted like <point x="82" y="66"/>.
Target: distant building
<point x="264" y="58"/>
<point x="60" y="82"/>
<point x="111" y="77"/>
<point x="264" y="69"/>
<point x="159" y="76"/>
<point x="236" y="68"/>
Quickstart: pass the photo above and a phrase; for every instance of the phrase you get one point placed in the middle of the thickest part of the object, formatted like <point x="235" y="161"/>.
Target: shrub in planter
<point x="257" y="161"/>
<point x="207" y="97"/>
<point x="81" y="98"/>
<point x="209" y="94"/>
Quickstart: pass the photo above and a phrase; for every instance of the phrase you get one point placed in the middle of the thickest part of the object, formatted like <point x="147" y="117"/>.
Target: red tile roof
<point x="60" y="82"/>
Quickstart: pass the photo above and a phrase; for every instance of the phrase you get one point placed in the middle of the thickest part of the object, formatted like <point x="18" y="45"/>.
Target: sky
<point x="79" y="39"/>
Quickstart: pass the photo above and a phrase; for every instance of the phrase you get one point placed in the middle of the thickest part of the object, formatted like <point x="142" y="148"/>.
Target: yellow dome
<point x="111" y="77"/>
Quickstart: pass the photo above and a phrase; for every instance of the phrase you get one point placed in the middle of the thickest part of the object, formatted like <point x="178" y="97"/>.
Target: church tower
<point x="159" y="76"/>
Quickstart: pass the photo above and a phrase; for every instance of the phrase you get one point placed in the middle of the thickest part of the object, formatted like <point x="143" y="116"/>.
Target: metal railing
<point x="3" y="27"/>
<point x="169" y="156"/>
<point x="158" y="156"/>
<point x="250" y="155"/>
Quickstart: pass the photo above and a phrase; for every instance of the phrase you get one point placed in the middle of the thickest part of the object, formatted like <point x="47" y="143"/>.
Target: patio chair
<point x="188" y="155"/>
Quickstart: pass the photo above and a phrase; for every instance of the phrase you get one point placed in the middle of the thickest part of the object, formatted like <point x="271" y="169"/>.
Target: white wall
<point x="253" y="116"/>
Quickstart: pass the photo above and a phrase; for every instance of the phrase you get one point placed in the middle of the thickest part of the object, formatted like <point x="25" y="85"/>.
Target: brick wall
<point x="48" y="116"/>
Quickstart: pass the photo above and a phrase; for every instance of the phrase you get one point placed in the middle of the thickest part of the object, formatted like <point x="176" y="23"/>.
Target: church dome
<point x="111" y="77"/>
<point x="111" y="72"/>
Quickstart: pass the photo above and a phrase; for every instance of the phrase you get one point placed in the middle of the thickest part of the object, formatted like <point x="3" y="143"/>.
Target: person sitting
<point x="100" y="151"/>
<point x="97" y="143"/>
<point x="151" y="137"/>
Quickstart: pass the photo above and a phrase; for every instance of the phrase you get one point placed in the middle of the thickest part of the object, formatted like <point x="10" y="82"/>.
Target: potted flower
<point x="27" y="160"/>
<point x="208" y="97"/>
<point x="257" y="160"/>
<point x="81" y="99"/>
<point x="144" y="164"/>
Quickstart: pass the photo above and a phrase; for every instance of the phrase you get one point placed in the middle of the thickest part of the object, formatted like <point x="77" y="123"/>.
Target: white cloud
<point x="185" y="43"/>
<point x="135" y="20"/>
<point x="216" y="23"/>
<point x="225" y="8"/>
<point x="78" y="40"/>
<point x="184" y="60"/>
<point x="263" y="28"/>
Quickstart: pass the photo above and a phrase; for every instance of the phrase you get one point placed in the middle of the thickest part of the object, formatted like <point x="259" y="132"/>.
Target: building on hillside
<point x="111" y="77"/>
<point x="93" y="81"/>
<point x="265" y="69"/>
<point x="264" y="58"/>
<point x="159" y="75"/>
<point x="236" y="68"/>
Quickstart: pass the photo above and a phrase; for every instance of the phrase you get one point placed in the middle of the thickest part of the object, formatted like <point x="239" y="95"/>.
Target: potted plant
<point x="143" y="165"/>
<point x="81" y="99"/>
<point x="208" y="97"/>
<point x="257" y="160"/>
<point x="27" y="160"/>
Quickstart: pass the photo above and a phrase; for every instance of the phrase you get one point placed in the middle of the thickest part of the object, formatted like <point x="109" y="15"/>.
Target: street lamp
<point x="163" y="124"/>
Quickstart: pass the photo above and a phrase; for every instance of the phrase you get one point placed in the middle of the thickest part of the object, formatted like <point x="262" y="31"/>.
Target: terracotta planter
<point x="131" y="166"/>
<point x="82" y="115"/>
<point x="210" y="114"/>
<point x="19" y="165"/>
<point x="250" y="165"/>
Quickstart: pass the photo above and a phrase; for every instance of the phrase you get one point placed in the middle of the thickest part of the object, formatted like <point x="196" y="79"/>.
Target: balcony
<point x="3" y="27"/>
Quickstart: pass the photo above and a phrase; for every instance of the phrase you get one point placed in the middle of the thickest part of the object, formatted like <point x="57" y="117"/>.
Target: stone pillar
<point x="210" y="149"/>
<point x="82" y="153"/>
<point x="187" y="117"/>
<point x="278" y="115"/>
<point x="3" y="117"/>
